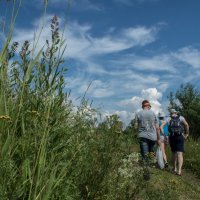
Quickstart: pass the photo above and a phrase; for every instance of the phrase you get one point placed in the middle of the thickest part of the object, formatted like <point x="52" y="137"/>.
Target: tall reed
<point x="49" y="148"/>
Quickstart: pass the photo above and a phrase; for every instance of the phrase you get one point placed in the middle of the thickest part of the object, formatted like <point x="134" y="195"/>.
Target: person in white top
<point x="164" y="133"/>
<point x="179" y="131"/>
<point x="148" y="132"/>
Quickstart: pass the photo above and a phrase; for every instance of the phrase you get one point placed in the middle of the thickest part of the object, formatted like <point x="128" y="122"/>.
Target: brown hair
<point x="145" y="103"/>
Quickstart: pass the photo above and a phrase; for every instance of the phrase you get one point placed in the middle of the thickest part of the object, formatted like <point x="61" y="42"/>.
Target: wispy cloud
<point x="189" y="55"/>
<point x="97" y="89"/>
<point x="124" y="2"/>
<point x="81" y="44"/>
<point x="81" y="5"/>
<point x="156" y="63"/>
<point x="111" y="63"/>
<point x="109" y="43"/>
<point x="87" y="5"/>
<point x="133" y="2"/>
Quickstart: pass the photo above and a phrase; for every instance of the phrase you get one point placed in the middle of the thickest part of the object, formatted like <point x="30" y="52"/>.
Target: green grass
<point x="192" y="157"/>
<point x="49" y="150"/>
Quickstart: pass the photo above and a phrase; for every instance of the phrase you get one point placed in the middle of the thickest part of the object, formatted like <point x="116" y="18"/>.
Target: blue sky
<point x="129" y="50"/>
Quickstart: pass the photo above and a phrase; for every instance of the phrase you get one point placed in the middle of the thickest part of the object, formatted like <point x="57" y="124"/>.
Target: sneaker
<point x="166" y="165"/>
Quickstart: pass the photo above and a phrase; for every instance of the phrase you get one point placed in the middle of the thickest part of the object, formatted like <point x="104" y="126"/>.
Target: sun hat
<point x="161" y="114"/>
<point x="173" y="110"/>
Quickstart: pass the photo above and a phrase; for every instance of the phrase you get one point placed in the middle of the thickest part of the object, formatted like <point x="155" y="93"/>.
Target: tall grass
<point x="192" y="157"/>
<point x="31" y="109"/>
<point x="50" y="149"/>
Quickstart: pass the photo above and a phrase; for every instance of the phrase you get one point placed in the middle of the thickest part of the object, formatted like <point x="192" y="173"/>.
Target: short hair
<point x="145" y="103"/>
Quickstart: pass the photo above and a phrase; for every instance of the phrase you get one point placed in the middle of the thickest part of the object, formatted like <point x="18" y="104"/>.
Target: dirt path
<point x="186" y="187"/>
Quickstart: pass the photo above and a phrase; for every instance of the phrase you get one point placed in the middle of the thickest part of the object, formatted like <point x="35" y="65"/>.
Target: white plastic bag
<point x="159" y="157"/>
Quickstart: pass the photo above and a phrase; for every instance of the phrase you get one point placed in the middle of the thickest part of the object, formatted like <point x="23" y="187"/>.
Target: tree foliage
<point x="186" y="101"/>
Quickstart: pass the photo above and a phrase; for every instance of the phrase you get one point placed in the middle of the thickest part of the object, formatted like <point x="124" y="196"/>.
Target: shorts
<point x="176" y="143"/>
<point x="164" y="139"/>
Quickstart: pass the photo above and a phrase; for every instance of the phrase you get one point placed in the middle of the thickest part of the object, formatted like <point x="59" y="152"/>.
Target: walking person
<point x="164" y="133"/>
<point x="148" y="133"/>
<point x="179" y="131"/>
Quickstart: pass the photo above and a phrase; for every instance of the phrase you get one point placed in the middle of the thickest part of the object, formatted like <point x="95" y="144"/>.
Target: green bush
<point x="192" y="157"/>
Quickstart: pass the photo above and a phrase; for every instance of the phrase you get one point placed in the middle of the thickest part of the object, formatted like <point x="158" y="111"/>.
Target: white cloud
<point x="100" y="89"/>
<point x="189" y="55"/>
<point x="134" y="103"/>
<point x="141" y="35"/>
<point x="150" y="94"/>
<point x="93" y="88"/>
<point x="110" y="43"/>
<point x="36" y="35"/>
<point x="146" y="1"/>
<point x="156" y="63"/>
<point x="131" y="106"/>
<point x="81" y="5"/>
<point x="132" y="2"/>
<point x="80" y="42"/>
<point x="125" y="2"/>
<point x="125" y="116"/>
<point x="87" y="5"/>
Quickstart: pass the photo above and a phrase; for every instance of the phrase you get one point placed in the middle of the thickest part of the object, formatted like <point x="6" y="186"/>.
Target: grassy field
<point x="52" y="149"/>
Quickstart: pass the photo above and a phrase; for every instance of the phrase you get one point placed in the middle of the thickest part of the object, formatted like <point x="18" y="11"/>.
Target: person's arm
<point x="157" y="130"/>
<point x="162" y="127"/>
<point x="162" y="131"/>
<point x="186" y="128"/>
<point x="158" y="134"/>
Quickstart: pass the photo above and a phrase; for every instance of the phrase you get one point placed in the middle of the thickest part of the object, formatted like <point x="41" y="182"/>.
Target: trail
<point x="185" y="187"/>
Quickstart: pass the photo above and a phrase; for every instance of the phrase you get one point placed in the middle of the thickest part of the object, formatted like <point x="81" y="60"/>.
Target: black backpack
<point x="175" y="126"/>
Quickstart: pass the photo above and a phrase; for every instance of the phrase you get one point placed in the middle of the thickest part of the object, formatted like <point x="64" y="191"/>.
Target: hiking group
<point x="161" y="130"/>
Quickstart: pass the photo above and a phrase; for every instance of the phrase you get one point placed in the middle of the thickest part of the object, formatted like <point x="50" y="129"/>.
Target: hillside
<point x="165" y="185"/>
<point x="128" y="183"/>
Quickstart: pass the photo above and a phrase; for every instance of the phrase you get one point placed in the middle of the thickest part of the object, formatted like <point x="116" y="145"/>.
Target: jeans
<point x="146" y="146"/>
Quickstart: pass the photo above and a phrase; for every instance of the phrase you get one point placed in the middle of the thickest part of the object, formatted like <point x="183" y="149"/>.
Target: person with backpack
<point x="179" y="131"/>
<point x="164" y="133"/>
<point x="148" y="133"/>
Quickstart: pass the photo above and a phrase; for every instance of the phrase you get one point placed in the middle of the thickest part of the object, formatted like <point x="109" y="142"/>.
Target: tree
<point x="186" y="101"/>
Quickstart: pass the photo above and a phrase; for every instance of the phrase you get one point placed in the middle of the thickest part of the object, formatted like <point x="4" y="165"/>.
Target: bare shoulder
<point x="183" y="120"/>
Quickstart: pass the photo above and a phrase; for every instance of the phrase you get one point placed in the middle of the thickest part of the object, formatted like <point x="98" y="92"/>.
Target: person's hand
<point x="186" y="136"/>
<point x="166" y="140"/>
<point x="159" y="141"/>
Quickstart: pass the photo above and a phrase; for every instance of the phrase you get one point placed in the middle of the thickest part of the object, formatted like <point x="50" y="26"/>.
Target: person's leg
<point x="144" y="148"/>
<point x="162" y="147"/>
<point x="180" y="162"/>
<point x="172" y="142"/>
<point x="152" y="156"/>
<point x="180" y="150"/>
<point x="174" y="161"/>
<point x="166" y="142"/>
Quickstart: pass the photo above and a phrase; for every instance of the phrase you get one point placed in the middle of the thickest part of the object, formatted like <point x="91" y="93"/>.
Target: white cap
<point x="173" y="110"/>
<point x="161" y="114"/>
